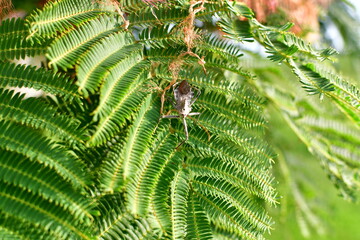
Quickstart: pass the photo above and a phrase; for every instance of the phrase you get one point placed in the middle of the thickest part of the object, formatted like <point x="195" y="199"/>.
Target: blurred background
<point x="311" y="207"/>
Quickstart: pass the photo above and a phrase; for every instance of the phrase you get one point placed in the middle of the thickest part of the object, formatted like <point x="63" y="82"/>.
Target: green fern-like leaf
<point x="160" y="201"/>
<point x="128" y="95"/>
<point x="13" y="42"/>
<point x="12" y="75"/>
<point x="149" y="17"/>
<point x="198" y="225"/>
<point x="17" y="169"/>
<point x="64" y="52"/>
<point x="14" y="228"/>
<point x="61" y="15"/>
<point x="95" y="63"/>
<point x="222" y="214"/>
<point x="126" y="73"/>
<point x="97" y="159"/>
<point x="38" y="148"/>
<point x="345" y="95"/>
<point x="142" y="186"/>
<point x="125" y="159"/>
<point x="116" y="222"/>
<point x="160" y="37"/>
<point x="179" y="199"/>
<point x="310" y="79"/>
<point x="257" y="183"/>
<point x="17" y="202"/>
<point x="35" y="113"/>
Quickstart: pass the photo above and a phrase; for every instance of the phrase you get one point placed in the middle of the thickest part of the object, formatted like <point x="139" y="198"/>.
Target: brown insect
<point x="184" y="98"/>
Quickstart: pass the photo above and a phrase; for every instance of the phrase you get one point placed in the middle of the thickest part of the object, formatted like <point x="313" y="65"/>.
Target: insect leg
<point x="194" y="114"/>
<point x="172" y="101"/>
<point x="165" y="116"/>
<point x="175" y="84"/>
<point x="168" y="112"/>
<point x="185" y="129"/>
<point x="186" y="133"/>
<point x="163" y="95"/>
<point x="170" y="116"/>
<point x="204" y="128"/>
<point x="196" y="97"/>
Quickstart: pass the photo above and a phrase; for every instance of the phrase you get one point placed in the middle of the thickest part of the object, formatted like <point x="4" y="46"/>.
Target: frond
<point x="160" y="200"/>
<point x="221" y="106"/>
<point x="217" y="169"/>
<point x="240" y="9"/>
<point x="133" y="6"/>
<point x="251" y="213"/>
<point x="101" y="57"/>
<point x="34" y="177"/>
<point x="110" y="171"/>
<point x="232" y="90"/>
<point x="163" y="16"/>
<point x="140" y="135"/>
<point x="213" y="8"/>
<point x="254" y="175"/>
<point x="13" y="228"/>
<point x="221" y="48"/>
<point x="221" y="234"/>
<point x="127" y="97"/>
<point x="116" y="223"/>
<point x="304" y="48"/>
<point x="36" y="147"/>
<point x="332" y="127"/>
<point x="33" y="208"/>
<point x="216" y="64"/>
<point x="13" y="42"/>
<point x="246" y="143"/>
<point x="345" y="95"/>
<point x="284" y="53"/>
<point x="125" y="74"/>
<point x="142" y="185"/>
<point x="13" y="27"/>
<point x="236" y="30"/>
<point x="61" y="15"/>
<point x="160" y="37"/>
<point x="65" y="51"/>
<point x="225" y="216"/>
<point x="12" y="75"/>
<point x="312" y="82"/>
<point x="125" y="157"/>
<point x="340" y="155"/>
<point x="37" y="114"/>
<point x="198" y="226"/>
<point x="179" y="200"/>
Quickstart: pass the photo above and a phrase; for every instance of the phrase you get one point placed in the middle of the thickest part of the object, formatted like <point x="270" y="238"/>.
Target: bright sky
<point x="356" y="4"/>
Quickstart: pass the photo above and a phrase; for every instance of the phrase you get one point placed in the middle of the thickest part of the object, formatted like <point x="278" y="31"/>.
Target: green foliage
<point x="115" y="222"/>
<point x="63" y="15"/>
<point x="95" y="160"/>
<point x="38" y="114"/>
<point x="16" y="75"/>
<point x="14" y="43"/>
<point x="67" y="50"/>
